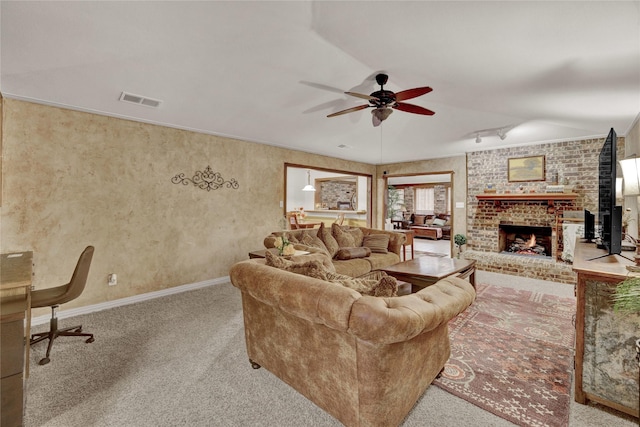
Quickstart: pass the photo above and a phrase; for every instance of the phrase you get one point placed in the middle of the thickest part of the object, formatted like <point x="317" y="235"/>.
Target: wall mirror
<point x="337" y="193"/>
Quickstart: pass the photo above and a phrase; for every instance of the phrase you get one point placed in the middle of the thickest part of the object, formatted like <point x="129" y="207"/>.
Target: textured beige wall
<point x="72" y="179"/>
<point x="457" y="165"/>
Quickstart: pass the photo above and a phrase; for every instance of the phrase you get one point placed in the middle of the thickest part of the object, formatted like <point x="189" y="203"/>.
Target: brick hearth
<point x="524" y="266"/>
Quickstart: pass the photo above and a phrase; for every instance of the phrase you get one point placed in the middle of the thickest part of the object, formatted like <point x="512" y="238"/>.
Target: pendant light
<point x="308" y="187"/>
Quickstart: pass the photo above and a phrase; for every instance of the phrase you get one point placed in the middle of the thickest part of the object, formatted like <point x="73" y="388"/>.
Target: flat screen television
<point x="609" y="215"/>
<point x="589" y="226"/>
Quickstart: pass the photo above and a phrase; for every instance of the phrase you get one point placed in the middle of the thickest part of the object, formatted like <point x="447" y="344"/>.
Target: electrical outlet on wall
<point x="113" y="279"/>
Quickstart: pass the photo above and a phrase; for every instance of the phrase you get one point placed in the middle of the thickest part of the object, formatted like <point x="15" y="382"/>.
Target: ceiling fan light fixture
<point x="384" y="101"/>
<point x="382" y="113"/>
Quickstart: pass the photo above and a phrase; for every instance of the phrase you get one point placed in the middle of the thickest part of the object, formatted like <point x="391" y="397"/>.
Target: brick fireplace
<point x="497" y="228"/>
<point x="525" y="240"/>
<point x="574" y="162"/>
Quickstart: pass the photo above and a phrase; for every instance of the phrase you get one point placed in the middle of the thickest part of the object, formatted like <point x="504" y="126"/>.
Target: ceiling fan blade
<point x="349" y="110"/>
<point x="410" y="108"/>
<point x="412" y="93"/>
<point x="360" y="95"/>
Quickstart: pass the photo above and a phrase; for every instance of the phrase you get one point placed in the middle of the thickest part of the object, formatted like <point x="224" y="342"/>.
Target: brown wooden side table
<point x="261" y="253"/>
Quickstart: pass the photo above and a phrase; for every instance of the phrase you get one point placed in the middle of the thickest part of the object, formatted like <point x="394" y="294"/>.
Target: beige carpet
<point x="181" y="361"/>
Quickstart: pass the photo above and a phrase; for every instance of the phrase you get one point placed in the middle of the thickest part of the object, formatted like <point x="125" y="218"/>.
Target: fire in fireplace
<point x="525" y="240"/>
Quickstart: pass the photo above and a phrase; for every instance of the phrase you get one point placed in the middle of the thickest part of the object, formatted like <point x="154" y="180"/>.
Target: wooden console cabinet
<point x="606" y="370"/>
<point x="15" y="302"/>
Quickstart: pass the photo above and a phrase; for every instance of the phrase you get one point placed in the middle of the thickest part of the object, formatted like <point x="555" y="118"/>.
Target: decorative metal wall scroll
<point x="206" y="180"/>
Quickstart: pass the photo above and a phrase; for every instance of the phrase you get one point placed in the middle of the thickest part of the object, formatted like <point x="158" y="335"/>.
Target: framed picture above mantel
<point x="526" y="169"/>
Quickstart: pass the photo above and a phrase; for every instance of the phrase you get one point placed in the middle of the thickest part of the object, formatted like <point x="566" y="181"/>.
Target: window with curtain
<point x="424" y="200"/>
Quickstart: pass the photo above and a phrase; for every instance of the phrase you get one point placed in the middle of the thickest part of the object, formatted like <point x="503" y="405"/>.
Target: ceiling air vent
<point x="141" y="100"/>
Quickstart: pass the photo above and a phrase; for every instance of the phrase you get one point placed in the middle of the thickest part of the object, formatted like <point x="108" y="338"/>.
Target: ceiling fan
<point x="383" y="101"/>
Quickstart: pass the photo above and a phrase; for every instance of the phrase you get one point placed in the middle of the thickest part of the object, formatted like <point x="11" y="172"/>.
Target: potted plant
<point x="459" y="240"/>
<point x="626" y="299"/>
<point x="393" y="199"/>
<point x="627" y="295"/>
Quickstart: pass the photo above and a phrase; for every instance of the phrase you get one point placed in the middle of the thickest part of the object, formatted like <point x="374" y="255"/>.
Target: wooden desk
<point x="15" y="299"/>
<point x="604" y="339"/>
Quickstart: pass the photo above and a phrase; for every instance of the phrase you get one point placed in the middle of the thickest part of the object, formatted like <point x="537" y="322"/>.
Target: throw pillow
<point x="347" y="237"/>
<point x="290" y="237"/>
<point x="329" y="241"/>
<point x="378" y="284"/>
<point x="312" y="267"/>
<point x="439" y="221"/>
<point x="314" y="242"/>
<point x="419" y="219"/>
<point x="353" y="253"/>
<point x="377" y="243"/>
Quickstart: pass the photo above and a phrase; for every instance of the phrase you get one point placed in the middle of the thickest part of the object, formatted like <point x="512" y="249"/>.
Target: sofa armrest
<point x="269" y="241"/>
<point x="389" y="320"/>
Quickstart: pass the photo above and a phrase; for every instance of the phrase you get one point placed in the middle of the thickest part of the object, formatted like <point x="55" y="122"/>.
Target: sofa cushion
<point x="378" y="261"/>
<point x="313" y="254"/>
<point x="329" y="241"/>
<point x="419" y="219"/>
<point x="376" y="242"/>
<point x="291" y="237"/>
<point x="446" y="217"/>
<point x="347" y="237"/>
<point x="353" y="267"/>
<point x="439" y="221"/>
<point x="307" y="266"/>
<point x="353" y="253"/>
<point x="396" y="239"/>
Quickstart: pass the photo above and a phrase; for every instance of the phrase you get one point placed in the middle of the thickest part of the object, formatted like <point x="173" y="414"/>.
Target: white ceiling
<point x="270" y="72"/>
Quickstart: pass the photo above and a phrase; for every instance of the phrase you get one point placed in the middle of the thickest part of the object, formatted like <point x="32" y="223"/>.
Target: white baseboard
<point x="129" y="300"/>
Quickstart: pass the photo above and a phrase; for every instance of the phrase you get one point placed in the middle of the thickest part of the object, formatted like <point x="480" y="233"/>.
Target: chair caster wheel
<point x="90" y="340"/>
<point x="44" y="361"/>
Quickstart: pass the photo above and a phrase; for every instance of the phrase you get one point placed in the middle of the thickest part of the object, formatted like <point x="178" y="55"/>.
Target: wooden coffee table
<point x="427" y="270"/>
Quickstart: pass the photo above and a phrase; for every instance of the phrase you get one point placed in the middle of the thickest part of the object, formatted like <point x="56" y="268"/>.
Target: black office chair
<point x="59" y="295"/>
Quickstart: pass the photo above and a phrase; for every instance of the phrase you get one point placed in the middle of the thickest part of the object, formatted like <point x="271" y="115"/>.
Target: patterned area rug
<point x="512" y="355"/>
<point x="417" y="254"/>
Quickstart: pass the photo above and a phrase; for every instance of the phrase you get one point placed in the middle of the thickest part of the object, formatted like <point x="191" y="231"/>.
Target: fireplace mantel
<point x="550" y="198"/>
